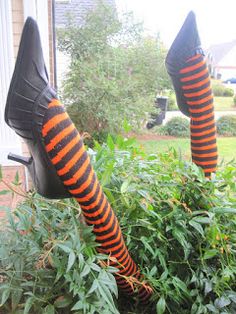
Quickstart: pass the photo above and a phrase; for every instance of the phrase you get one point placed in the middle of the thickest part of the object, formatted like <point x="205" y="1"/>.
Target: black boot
<point x="186" y="45"/>
<point x="27" y="102"/>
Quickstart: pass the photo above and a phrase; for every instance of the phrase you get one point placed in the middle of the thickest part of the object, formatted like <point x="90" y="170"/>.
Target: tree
<point x="115" y="71"/>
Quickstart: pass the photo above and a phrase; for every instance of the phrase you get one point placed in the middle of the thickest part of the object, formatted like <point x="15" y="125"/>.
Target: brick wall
<point x="17" y="23"/>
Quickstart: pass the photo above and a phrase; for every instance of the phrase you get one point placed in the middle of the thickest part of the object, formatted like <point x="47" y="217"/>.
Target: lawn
<point x="224" y="104"/>
<point x="226" y="146"/>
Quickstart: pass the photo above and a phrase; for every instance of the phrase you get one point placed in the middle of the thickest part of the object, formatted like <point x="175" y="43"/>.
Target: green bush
<point x="179" y="227"/>
<point x="177" y="126"/>
<point x="226" y="125"/>
<point x="220" y="90"/>
<point x="172" y="103"/>
<point x="234" y="100"/>
<point x="107" y="82"/>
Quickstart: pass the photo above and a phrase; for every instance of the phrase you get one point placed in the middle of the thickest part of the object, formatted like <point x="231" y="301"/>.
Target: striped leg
<point x="195" y="84"/>
<point x="187" y="68"/>
<point x="67" y="153"/>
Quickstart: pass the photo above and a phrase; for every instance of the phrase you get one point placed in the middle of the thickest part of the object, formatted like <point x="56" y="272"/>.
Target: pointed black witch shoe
<point x="186" y="45"/>
<point x="27" y="102"/>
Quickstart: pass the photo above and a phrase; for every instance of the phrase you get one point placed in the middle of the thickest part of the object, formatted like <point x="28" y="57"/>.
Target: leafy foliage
<point x="114" y="71"/>
<point x="221" y="90"/>
<point x="179" y="227"/>
<point x="176" y="126"/>
<point x="226" y="125"/>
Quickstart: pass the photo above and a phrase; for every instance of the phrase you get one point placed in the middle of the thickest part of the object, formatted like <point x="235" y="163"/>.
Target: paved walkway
<point x="218" y="114"/>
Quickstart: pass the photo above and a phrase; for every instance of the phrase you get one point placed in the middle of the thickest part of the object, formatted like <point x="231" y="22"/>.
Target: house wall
<point x="227" y="66"/>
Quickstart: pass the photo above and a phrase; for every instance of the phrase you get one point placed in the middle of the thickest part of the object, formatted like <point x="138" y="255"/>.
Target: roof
<point x="219" y="51"/>
<point x="76" y="8"/>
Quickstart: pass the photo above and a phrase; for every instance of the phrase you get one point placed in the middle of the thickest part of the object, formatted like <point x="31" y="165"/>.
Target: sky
<point x="216" y="19"/>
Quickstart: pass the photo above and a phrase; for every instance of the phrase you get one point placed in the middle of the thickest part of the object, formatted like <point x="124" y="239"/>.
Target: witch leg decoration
<point x="188" y="70"/>
<point x="59" y="164"/>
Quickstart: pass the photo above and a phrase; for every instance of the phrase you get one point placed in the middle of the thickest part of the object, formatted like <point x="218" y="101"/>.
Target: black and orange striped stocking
<point x="67" y="153"/>
<point x="195" y="83"/>
<point x="188" y="70"/>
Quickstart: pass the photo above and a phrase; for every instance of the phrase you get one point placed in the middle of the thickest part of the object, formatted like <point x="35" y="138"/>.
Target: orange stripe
<point x="119" y="238"/>
<point x="200" y="101"/>
<point x="119" y="253"/>
<point x="95" y="203"/>
<point x="204" y="147"/>
<point x="71" y="162"/>
<point x="100" y="211"/>
<point x="199" y="126"/>
<point x="192" y="67"/>
<point x="54" y="122"/>
<point x="209" y="115"/>
<point x="194" y="57"/>
<point x="196" y="85"/>
<point x="205" y="132"/>
<point x="205" y="163"/>
<point x="199" y="93"/>
<point x="214" y="154"/>
<point x="54" y="103"/>
<point x="107" y="226"/>
<point x="210" y="106"/>
<point x="193" y="77"/>
<point x="59" y="137"/>
<point x="65" y="150"/>
<point x="79" y="173"/>
<point x="204" y="139"/>
<point x="84" y="186"/>
<point x="210" y="170"/>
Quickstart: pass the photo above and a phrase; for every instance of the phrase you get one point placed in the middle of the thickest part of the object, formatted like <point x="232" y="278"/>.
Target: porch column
<point x="9" y="141"/>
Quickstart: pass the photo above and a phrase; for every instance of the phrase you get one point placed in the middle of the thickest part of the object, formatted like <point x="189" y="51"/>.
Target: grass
<point x="226" y="147"/>
<point x="224" y="104"/>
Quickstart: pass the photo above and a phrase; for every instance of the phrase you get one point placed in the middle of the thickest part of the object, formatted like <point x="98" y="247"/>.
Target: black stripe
<point x="194" y="81"/>
<point x="205" y="128"/>
<point x="200" y="97"/>
<point x="197" y="89"/>
<point x="193" y="72"/>
<point x="52" y="112"/>
<point x="200" y="114"/>
<point x="207" y="151"/>
<point x="75" y="168"/>
<point x="54" y="152"/>
<point x="204" y="158"/>
<point x="96" y="207"/>
<point x="70" y="154"/>
<point x="201" y="137"/>
<point x="54" y="131"/>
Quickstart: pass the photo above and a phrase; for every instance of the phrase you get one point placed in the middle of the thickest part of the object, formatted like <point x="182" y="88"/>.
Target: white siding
<point x="9" y="141"/>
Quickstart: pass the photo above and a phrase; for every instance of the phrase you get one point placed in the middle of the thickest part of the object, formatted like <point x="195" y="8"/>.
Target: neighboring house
<point x="222" y="60"/>
<point x="77" y="9"/>
<point x="13" y="13"/>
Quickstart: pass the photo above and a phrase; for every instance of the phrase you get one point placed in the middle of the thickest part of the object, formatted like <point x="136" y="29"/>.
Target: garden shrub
<point x="234" y="100"/>
<point x="219" y="89"/>
<point x="114" y="70"/>
<point x="172" y="103"/>
<point x="177" y="126"/>
<point x="226" y="125"/>
<point x="179" y="227"/>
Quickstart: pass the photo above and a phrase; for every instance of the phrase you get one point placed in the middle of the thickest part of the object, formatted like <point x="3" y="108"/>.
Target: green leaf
<point x="161" y="305"/>
<point x="126" y="126"/>
<point x="197" y="226"/>
<point x="106" y="295"/>
<point x="28" y="304"/>
<point x="78" y="306"/>
<point x="124" y="186"/>
<point x="71" y="260"/>
<point x="222" y="210"/>
<point x="85" y="271"/>
<point x="202" y="220"/>
<point x="110" y="142"/>
<point x="4" y="192"/>
<point x="49" y="309"/>
<point x="5" y="295"/>
<point x="65" y="248"/>
<point x="210" y="254"/>
<point x="222" y="302"/>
